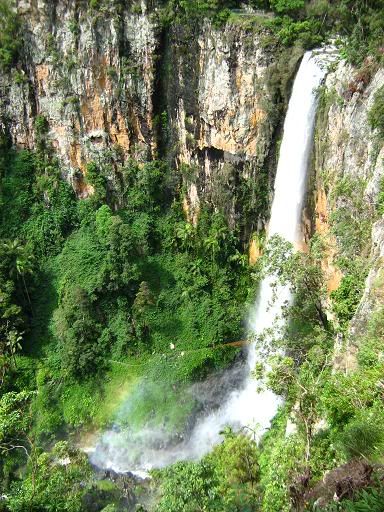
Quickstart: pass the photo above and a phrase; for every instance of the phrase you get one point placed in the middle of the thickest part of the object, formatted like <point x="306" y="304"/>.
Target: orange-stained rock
<point x="76" y="157"/>
<point x="92" y="113"/>
<point x="42" y="76"/>
<point x="254" y="251"/>
<point x="119" y="133"/>
<point x="333" y="274"/>
<point x="256" y="117"/>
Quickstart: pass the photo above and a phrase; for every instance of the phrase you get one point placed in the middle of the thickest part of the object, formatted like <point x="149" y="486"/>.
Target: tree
<point x="185" y="234"/>
<point x="15" y="263"/>
<point x="11" y="323"/>
<point x="302" y="272"/>
<point x="219" y="241"/>
<point x="281" y="374"/>
<point x="143" y="302"/>
<point x="124" y="250"/>
<point x="225" y="480"/>
<point x="78" y="330"/>
<point x="10" y="41"/>
<point x="188" y="486"/>
<point x="54" y="482"/>
<point x="22" y="263"/>
<point x="237" y="468"/>
<point x="15" y="422"/>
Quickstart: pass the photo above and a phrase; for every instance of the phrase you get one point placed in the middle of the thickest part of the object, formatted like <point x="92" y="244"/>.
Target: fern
<point x="369" y="500"/>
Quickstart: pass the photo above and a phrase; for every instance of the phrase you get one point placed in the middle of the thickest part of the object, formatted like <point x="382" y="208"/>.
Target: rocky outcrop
<point x="90" y="74"/>
<point x="341" y="483"/>
<point x="349" y="146"/>
<point x="373" y="296"/>
<point x="223" y="132"/>
<point x="349" y="166"/>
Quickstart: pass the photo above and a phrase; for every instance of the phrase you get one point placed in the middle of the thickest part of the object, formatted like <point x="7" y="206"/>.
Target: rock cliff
<point x="349" y="167"/>
<point x="91" y="75"/>
<point x="120" y="83"/>
<point x="226" y="91"/>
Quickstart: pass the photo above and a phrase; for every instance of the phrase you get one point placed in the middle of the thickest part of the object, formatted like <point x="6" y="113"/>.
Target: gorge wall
<point x="91" y="75"/>
<point x="118" y="84"/>
<point x="348" y="172"/>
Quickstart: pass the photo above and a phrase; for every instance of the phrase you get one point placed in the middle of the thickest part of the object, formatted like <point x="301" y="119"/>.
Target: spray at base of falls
<point x="244" y="406"/>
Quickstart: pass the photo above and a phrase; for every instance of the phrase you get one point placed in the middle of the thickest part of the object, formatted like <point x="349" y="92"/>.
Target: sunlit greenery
<point x="225" y="480"/>
<point x="122" y="294"/>
<point x="126" y="292"/>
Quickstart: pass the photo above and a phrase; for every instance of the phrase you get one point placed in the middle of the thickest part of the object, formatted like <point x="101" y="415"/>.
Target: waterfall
<point x="290" y="183"/>
<point x="246" y="406"/>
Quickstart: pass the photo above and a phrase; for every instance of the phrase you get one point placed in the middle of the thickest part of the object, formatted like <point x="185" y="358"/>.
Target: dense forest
<point x="113" y="289"/>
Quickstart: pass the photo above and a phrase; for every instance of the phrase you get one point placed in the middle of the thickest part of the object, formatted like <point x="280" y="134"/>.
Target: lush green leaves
<point x="10" y="41"/>
<point x="54" y="482"/>
<point x="15" y="420"/>
<point x="224" y="481"/>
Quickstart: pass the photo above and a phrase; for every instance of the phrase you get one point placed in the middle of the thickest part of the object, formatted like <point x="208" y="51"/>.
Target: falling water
<point x="244" y="406"/>
<point x="290" y="183"/>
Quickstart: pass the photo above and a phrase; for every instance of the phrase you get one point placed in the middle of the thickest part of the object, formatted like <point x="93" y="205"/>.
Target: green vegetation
<point x="351" y="224"/>
<point x="227" y="479"/>
<point x="347" y="296"/>
<point x="10" y="42"/>
<point x="357" y="24"/>
<point x="334" y="417"/>
<point x="376" y="114"/>
<point x="52" y="482"/>
<point x="94" y="296"/>
<point x="368" y="500"/>
<point x="380" y="198"/>
<point x="128" y="288"/>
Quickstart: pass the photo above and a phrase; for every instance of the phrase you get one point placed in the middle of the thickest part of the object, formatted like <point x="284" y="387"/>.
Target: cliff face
<point x="223" y="130"/>
<point x="349" y="166"/>
<point x="113" y="82"/>
<point x="224" y="100"/>
<point x="90" y="75"/>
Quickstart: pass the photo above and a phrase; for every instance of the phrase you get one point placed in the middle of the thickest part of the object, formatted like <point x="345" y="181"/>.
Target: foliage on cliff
<point x="10" y="38"/>
<point x="359" y="24"/>
<point x="96" y="293"/>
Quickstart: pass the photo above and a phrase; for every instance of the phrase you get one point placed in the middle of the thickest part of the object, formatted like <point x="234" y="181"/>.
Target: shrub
<point x="10" y="41"/>
<point x="41" y="125"/>
<point x="363" y="437"/>
<point x="376" y="113"/>
<point x="380" y="198"/>
<point x="187" y="486"/>
<point x="347" y="296"/>
<point x="224" y="480"/>
<point x="95" y="4"/>
<point x="368" y="500"/>
<point x="285" y="6"/>
<point x="78" y="330"/>
<point x="53" y="482"/>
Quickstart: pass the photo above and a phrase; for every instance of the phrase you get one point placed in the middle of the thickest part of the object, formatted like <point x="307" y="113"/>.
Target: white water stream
<point x="245" y="406"/>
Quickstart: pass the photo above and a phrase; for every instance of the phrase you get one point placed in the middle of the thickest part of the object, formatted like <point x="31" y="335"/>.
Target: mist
<point x="232" y="398"/>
